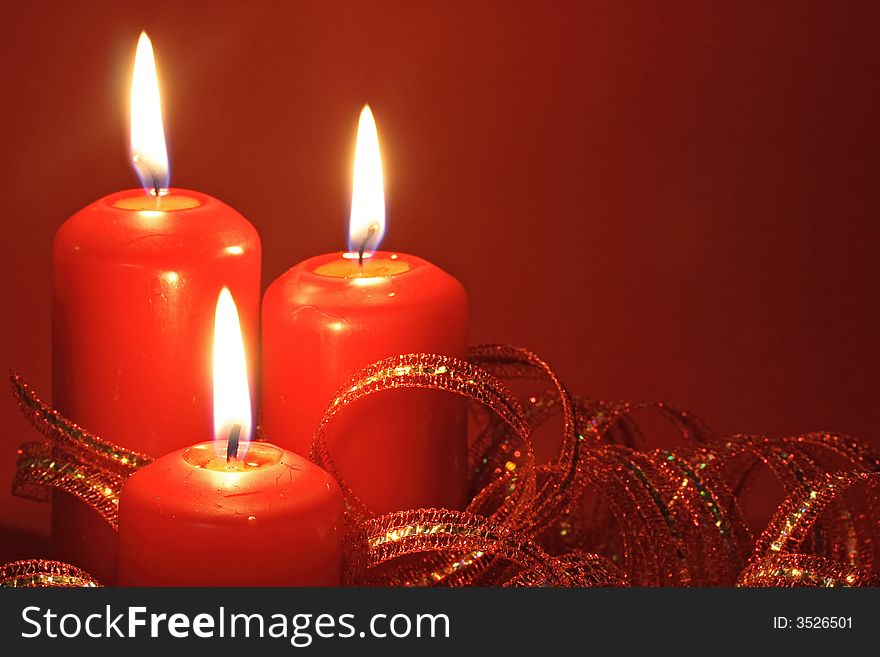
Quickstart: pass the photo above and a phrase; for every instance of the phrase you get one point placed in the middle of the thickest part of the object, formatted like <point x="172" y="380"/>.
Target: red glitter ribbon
<point x="72" y="460"/>
<point x="604" y="511"/>
<point x="43" y="573"/>
<point x="776" y="560"/>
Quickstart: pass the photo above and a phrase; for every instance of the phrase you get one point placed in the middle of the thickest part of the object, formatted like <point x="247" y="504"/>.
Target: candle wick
<point x="372" y="230"/>
<point x="155" y="184"/>
<point x="232" y="443"/>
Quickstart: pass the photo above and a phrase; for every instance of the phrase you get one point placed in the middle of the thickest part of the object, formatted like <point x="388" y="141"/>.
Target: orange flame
<point x="148" y="152"/>
<point x="366" y="224"/>
<point x="232" y="400"/>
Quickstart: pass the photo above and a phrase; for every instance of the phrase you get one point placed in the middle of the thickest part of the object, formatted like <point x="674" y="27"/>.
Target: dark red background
<point x="669" y="201"/>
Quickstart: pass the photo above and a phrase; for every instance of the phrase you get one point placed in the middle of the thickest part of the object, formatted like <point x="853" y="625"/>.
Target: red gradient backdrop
<point x="669" y="201"/>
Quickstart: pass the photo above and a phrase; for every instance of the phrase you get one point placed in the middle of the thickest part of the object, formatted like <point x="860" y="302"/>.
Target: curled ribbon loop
<point x="42" y="573"/>
<point x="41" y="468"/>
<point x="72" y="460"/>
<point x="477" y="538"/>
<point x="427" y="371"/>
<point x="63" y="432"/>
<point x="776" y="560"/>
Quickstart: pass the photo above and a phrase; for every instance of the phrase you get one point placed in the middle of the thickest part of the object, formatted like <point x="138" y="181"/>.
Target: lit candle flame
<point x="148" y="151"/>
<point x="366" y="224"/>
<point x="232" y="400"/>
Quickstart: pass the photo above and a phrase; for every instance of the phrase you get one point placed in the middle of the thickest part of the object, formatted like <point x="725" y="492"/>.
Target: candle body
<point x="397" y="449"/>
<point x="136" y="281"/>
<point x="278" y="523"/>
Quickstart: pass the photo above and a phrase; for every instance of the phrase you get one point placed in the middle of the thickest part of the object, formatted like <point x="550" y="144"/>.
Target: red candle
<point x="136" y="277"/>
<point x="230" y="512"/>
<point x="271" y="518"/>
<point x="331" y="315"/>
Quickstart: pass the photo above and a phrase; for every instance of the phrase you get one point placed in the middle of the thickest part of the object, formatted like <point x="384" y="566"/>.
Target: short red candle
<point x="136" y="279"/>
<point x="326" y="318"/>
<point x="271" y="518"/>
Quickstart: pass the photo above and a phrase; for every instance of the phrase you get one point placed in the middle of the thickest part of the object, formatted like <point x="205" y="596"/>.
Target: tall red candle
<point x="230" y="512"/>
<point x="331" y="315"/>
<point x="136" y="277"/>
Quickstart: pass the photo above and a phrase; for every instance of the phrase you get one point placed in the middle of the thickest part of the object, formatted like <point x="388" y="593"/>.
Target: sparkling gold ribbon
<point x="604" y="511"/>
<point x="43" y="573"/>
<point x="673" y="516"/>
<point x="63" y="432"/>
<point x="428" y="371"/>
<point x="776" y="560"/>
<point x="72" y="460"/>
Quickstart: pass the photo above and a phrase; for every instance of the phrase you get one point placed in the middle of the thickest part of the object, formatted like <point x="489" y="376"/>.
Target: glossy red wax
<point x="397" y="449"/>
<point x="133" y="313"/>
<point x="277" y="522"/>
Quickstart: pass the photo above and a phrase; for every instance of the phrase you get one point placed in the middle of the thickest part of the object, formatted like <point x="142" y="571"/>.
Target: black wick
<point x="372" y="230"/>
<point x="232" y="443"/>
<point x="153" y="175"/>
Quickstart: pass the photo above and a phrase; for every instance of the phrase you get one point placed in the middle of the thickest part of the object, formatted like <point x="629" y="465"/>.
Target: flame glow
<point x="148" y="152"/>
<point x="366" y="224"/>
<point x="232" y="400"/>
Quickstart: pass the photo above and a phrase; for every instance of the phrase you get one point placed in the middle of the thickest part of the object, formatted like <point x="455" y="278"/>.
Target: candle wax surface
<point x="373" y="267"/>
<point x="160" y="203"/>
<point x="211" y="456"/>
